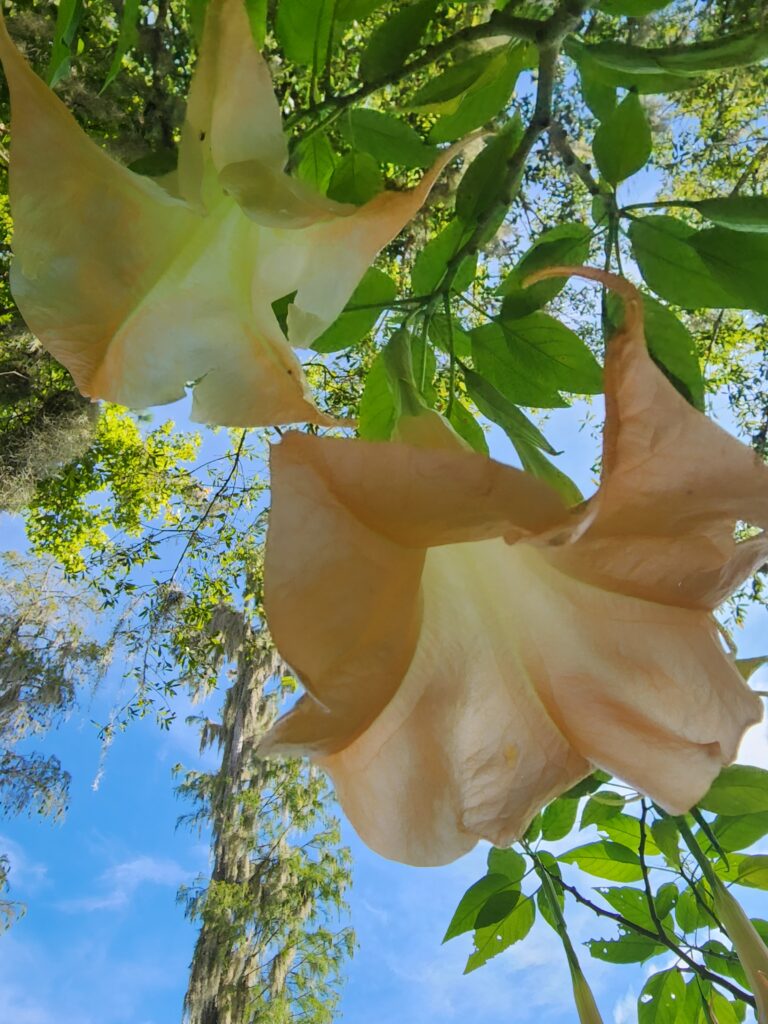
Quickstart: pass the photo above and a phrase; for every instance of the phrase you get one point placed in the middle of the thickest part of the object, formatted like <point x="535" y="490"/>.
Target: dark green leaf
<point x="665" y="899"/>
<point x="589" y="59"/>
<point x="667" y="838"/>
<point x="441" y="337"/>
<point x="740" y="213"/>
<point x="741" y="831"/>
<point x="486" y="97"/>
<point x="397" y="37"/>
<point x="599" y="97"/>
<point x="507" y="862"/>
<point x="494" y="939"/>
<point x="155" y="165"/>
<point x="672" y="267"/>
<point x="483" y="185"/>
<point x="606" y="860"/>
<point x="503" y="362"/>
<point x="467" y="427"/>
<point x="739" y="789"/>
<point x="565" y="244"/>
<point x="303" y="29"/>
<point x="355" y="10"/>
<point x="280" y="309"/>
<point x="127" y="38"/>
<point x="628" y="949"/>
<point x="500" y="410"/>
<point x="316" y="161"/>
<point x="499" y="906"/>
<point x="430" y="265"/>
<point x="68" y="18"/>
<point x="472" y="902"/>
<point x="377" y="404"/>
<point x="690" y="914"/>
<point x="623" y="143"/>
<point x="375" y="290"/>
<point x="738" y="261"/>
<point x="557" y="818"/>
<point x="632" y="8"/>
<point x="386" y="138"/>
<point x="552" y="354"/>
<point x="453" y="82"/>
<point x="356" y="179"/>
<point x="585" y="787"/>
<point x="671" y="345"/>
<point x="662" y="998"/>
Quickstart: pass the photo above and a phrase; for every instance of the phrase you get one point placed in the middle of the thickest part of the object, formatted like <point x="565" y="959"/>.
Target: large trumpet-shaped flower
<point x="472" y="647"/>
<point x="138" y="291"/>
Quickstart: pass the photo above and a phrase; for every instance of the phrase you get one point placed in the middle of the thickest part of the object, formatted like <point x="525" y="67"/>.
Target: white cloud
<point x="120" y="882"/>
<point x="26" y="875"/>
<point x="625" y="1010"/>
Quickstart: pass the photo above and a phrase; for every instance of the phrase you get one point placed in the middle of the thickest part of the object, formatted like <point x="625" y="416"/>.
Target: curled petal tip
<point x="633" y="300"/>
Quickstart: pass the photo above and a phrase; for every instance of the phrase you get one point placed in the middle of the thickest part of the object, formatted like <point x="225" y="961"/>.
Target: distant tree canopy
<point x="164" y="529"/>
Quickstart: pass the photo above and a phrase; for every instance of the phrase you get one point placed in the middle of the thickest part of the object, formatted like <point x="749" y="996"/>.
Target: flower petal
<point x="674" y="484"/>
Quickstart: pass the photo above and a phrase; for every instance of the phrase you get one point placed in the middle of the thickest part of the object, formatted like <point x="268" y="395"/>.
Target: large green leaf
<point x="430" y="265"/>
<point x="667" y="838"/>
<point x="486" y="97"/>
<point x="495" y="938"/>
<point x="630" y="903"/>
<point x="316" y="161"/>
<point x="127" y="38"/>
<point x="739" y="263"/>
<point x="598" y="95"/>
<point x="535" y="462"/>
<point x="739" y="213"/>
<point x="673" y="268"/>
<point x="504" y="363"/>
<point x="68" y="18"/>
<point x="472" y="902"/>
<point x="483" y="184"/>
<point x="588" y="60"/>
<point x="606" y="860"/>
<point x="355" y="10"/>
<point x="625" y="829"/>
<point x="449" y="336"/>
<point x="386" y="138"/>
<point x="501" y="411"/>
<point x="355" y="179"/>
<point x="453" y="82"/>
<point x="377" y="404"/>
<point x="671" y="345"/>
<point x="632" y="8"/>
<point x="395" y="39"/>
<point x="690" y="914"/>
<point x="738" y="789"/>
<point x="303" y="29"/>
<point x="467" y="427"/>
<point x="740" y="831"/>
<point x="558" y="818"/>
<point x="566" y="244"/>
<point x="507" y="862"/>
<point x="662" y="998"/>
<point x="597" y="809"/>
<point x="623" y="143"/>
<point x="553" y="354"/>
<point x="629" y="948"/>
<point x="375" y="290"/>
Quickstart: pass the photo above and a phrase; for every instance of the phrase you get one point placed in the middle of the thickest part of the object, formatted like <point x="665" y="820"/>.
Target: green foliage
<point x="623" y="143"/>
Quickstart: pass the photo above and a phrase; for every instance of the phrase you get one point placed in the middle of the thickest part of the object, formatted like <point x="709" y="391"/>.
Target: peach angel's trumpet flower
<point x="139" y="287"/>
<point x="471" y="647"/>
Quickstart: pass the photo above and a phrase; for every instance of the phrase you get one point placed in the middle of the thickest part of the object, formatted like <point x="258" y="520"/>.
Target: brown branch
<point x="573" y="163"/>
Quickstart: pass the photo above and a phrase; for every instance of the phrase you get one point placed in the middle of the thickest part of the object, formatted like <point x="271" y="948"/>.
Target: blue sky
<point x="105" y="943"/>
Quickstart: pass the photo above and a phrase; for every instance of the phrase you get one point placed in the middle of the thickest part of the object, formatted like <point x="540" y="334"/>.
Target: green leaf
<point x="303" y="29"/>
<point x="662" y="998"/>
<point x="155" y="165"/>
<point x="498" y="907"/>
<point x="671" y="266"/>
<point x="629" y="948"/>
<point x="665" y="899"/>
<point x="558" y="818"/>
<point x="605" y="860"/>
<point x="280" y="309"/>
<point x="667" y="838"/>
<point x="377" y="404"/>
<point x="625" y="829"/>
<point x="632" y="8"/>
<point x="671" y="346"/>
<point x="565" y="244"/>
<point x="452" y="83"/>
<point x="356" y="10"/>
<point x="487" y="96"/>
<point x="395" y="39"/>
<point x="430" y="265"/>
<point x="356" y="179"/>
<point x="740" y="213"/>
<point x="748" y="666"/>
<point x="127" y="38"/>
<point x="472" y="902"/>
<point x="257" y="19"/>
<point x="739" y="789"/>
<point x="503" y="362"/>
<point x="598" y="96"/>
<point x="597" y="810"/>
<point x="500" y="410"/>
<point x="467" y="427"/>
<point x="730" y="51"/>
<point x="495" y="938"/>
<point x="623" y="143"/>
<point x="752" y="871"/>
<point x="316" y="161"/>
<point x="737" y="261"/>
<point x="507" y="862"/>
<point x="690" y="914"/>
<point x="552" y="354"/>
<point x="375" y="290"/>
<point x="68" y="18"/>
<point x="740" y="832"/>
<point x="386" y="138"/>
<point x="630" y="903"/>
<point x="539" y="465"/>
<point x="440" y="336"/>
<point x="586" y="786"/>
<point x="483" y="184"/>
<point x="589" y="60"/>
